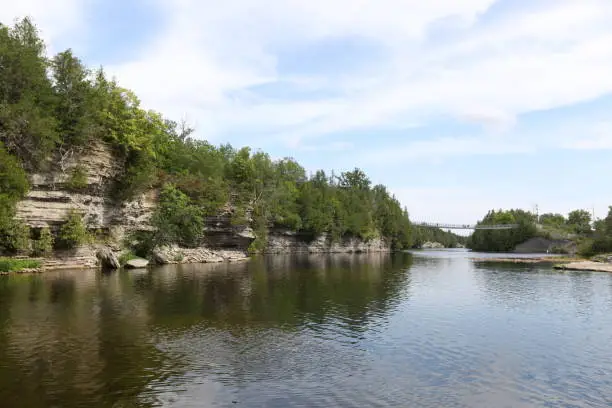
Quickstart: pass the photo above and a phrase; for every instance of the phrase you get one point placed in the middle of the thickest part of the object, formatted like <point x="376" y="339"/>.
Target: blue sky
<point x="458" y="106"/>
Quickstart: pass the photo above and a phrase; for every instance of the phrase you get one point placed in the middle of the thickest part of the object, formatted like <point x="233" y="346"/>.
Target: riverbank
<point x="557" y="262"/>
<point x="586" y="266"/>
<point x="531" y="260"/>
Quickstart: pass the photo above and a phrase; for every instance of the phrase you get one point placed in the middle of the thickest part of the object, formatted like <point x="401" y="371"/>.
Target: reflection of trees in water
<point x="282" y="291"/>
<point x="88" y="339"/>
<point x="270" y="321"/>
<point x="73" y="339"/>
<point x="521" y="286"/>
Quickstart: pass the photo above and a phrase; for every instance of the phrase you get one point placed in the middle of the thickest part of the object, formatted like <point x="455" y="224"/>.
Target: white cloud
<point x="532" y="59"/>
<point x="441" y="59"/>
<point x="56" y="22"/>
<point x="208" y="54"/>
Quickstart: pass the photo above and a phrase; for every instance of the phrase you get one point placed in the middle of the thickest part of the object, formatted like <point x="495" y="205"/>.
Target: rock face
<point x="432" y="245"/>
<point x="51" y="196"/>
<point x="174" y="255"/>
<point x="543" y="245"/>
<point x="282" y="241"/>
<point x="137" y="263"/>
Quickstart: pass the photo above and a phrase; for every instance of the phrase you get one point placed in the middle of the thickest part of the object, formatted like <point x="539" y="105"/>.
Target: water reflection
<point x="432" y="329"/>
<point x="136" y="339"/>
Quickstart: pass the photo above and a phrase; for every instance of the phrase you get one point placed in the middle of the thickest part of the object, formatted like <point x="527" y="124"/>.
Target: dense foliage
<point x="506" y="239"/>
<point x="74" y="232"/>
<point x="422" y="235"/>
<point x="601" y="239"/>
<point x="53" y="108"/>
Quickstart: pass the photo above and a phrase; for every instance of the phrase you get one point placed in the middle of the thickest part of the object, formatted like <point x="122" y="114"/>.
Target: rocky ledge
<point x="175" y="255"/>
<point x="586" y="266"/>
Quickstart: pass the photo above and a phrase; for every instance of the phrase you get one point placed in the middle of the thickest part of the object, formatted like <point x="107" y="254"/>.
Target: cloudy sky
<point x="458" y="106"/>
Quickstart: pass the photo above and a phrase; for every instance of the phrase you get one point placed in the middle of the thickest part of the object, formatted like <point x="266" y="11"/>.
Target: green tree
<point x="74" y="99"/>
<point x="579" y="221"/>
<point x="73" y="232"/>
<point x="506" y="239"/>
<point x="43" y="246"/>
<point x="176" y="219"/>
<point x="555" y="220"/>
<point x="27" y="125"/>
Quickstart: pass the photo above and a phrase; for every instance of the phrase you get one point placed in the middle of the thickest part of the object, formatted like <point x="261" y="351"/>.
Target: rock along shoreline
<point x="558" y="263"/>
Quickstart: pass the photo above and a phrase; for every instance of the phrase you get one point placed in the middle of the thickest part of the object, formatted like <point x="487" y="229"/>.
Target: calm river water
<point x="431" y="329"/>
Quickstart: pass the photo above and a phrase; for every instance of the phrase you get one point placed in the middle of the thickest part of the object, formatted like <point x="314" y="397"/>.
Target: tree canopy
<point x="506" y="239"/>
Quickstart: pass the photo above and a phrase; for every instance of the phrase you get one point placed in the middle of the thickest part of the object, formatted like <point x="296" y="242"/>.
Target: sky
<point x="458" y="106"/>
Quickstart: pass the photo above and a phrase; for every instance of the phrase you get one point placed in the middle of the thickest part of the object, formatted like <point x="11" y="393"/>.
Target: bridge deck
<point x="465" y="226"/>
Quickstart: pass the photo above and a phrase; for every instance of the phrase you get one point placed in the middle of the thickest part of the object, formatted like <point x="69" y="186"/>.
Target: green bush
<point x="73" y="233"/>
<point x="585" y="248"/>
<point x="15" y="265"/>
<point x="15" y="236"/>
<point x="261" y="236"/>
<point x="78" y="178"/>
<point x="177" y="220"/>
<point x="44" y="244"/>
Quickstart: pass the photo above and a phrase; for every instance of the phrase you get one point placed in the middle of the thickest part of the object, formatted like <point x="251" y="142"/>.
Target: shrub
<point x="14" y="236"/>
<point x="177" y="219"/>
<point x="73" y="233"/>
<point x="44" y="244"/>
<point x="261" y="236"/>
<point x="78" y="179"/>
<point x="14" y="265"/>
<point x="585" y="248"/>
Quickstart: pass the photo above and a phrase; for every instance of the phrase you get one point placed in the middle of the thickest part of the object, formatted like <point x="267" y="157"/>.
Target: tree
<point x="73" y="232"/>
<point x="74" y="93"/>
<point x="550" y="219"/>
<point x="503" y="240"/>
<point x="27" y="125"/>
<point x="176" y="219"/>
<point x="579" y="221"/>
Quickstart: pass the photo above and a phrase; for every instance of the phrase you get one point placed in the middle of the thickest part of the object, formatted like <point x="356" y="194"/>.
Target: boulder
<point x="108" y="260"/>
<point x="160" y="256"/>
<point x="137" y="263"/>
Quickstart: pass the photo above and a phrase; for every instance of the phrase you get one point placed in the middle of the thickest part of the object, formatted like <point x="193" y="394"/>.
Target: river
<point x="428" y="329"/>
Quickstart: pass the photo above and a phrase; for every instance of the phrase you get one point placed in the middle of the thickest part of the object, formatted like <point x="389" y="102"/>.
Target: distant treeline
<point x="592" y="236"/>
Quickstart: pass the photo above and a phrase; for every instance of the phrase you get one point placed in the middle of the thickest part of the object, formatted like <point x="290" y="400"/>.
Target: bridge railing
<point x="465" y="226"/>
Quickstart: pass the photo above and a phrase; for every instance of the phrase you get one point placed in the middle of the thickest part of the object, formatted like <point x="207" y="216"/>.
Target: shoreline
<point x="531" y="260"/>
<point x="559" y="263"/>
<point x="193" y="256"/>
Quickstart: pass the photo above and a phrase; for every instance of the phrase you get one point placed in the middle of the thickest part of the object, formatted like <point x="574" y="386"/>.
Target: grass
<point x="16" y="265"/>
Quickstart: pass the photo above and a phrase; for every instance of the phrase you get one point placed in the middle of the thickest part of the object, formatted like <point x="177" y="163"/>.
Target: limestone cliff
<point x="52" y="196"/>
<point x="283" y="241"/>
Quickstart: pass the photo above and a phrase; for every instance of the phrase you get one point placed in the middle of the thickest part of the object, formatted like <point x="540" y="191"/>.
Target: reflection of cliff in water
<point x="279" y="290"/>
<point x="73" y="339"/>
<point x="85" y="338"/>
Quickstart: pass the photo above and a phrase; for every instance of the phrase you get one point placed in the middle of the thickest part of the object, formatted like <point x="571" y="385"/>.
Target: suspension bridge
<point x="465" y="226"/>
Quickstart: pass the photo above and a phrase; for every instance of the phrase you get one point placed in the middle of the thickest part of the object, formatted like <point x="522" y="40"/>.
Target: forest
<point x="53" y="107"/>
<point x="592" y="236"/>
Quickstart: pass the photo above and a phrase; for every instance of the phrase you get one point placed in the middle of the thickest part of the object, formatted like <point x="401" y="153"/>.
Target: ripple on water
<point x="433" y="330"/>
